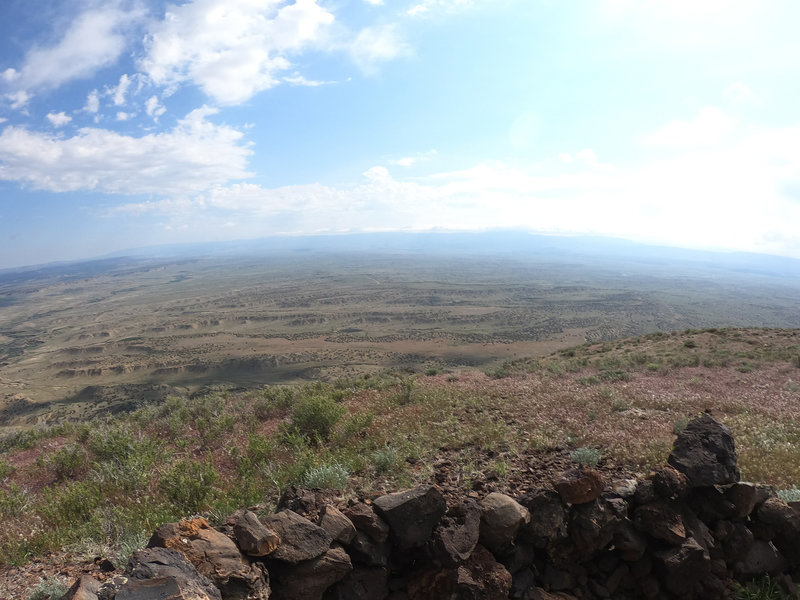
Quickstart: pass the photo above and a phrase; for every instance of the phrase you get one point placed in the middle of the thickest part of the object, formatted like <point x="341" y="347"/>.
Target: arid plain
<point x="80" y="340"/>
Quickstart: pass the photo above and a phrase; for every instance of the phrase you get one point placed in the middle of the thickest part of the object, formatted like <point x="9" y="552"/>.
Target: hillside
<point x="98" y="488"/>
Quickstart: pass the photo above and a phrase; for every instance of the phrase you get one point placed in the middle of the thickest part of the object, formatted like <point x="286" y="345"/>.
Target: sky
<point x="128" y="123"/>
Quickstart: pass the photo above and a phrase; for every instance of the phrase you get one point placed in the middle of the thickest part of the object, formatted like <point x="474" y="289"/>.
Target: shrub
<point x="586" y="457"/>
<point x="331" y="476"/>
<point x="316" y="415"/>
<point x="791" y="494"/>
<point x="6" y="469"/>
<point x="67" y="461"/>
<point x="48" y="589"/>
<point x="190" y="483"/>
<point x="680" y="425"/>
<point x="385" y="459"/>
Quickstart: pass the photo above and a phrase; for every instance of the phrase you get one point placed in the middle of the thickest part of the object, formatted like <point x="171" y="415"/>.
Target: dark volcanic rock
<point x="251" y="535"/>
<point x="548" y="517"/>
<point x="300" y="539"/>
<point x="154" y="572"/>
<point x="480" y="578"/>
<point x="310" y="579"/>
<point x="661" y="521"/>
<point x="592" y="525"/>
<point x="365" y="519"/>
<point x="705" y="453"/>
<point x="457" y="534"/>
<point x="412" y="514"/>
<point x="335" y="523"/>
<point x="684" y="568"/>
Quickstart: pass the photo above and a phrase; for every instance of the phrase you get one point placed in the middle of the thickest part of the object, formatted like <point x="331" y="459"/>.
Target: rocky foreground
<point x="688" y="530"/>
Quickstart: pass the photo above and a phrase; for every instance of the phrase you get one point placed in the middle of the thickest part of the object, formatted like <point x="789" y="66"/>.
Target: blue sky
<point x="136" y="122"/>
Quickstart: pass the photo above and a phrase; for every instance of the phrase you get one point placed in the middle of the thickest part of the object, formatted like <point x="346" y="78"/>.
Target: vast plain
<point x="80" y="340"/>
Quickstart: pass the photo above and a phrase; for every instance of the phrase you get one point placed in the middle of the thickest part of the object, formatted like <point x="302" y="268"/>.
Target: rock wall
<point x="686" y="531"/>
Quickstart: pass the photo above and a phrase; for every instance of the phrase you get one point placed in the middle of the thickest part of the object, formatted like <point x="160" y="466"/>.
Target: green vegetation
<point x="585" y="457"/>
<point x="48" y="588"/>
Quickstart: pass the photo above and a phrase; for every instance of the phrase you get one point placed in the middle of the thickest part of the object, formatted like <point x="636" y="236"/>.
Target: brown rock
<point x="592" y="525"/>
<point x="365" y="519"/>
<point x="85" y="588"/>
<point x="216" y="556"/>
<point x="684" y="569"/>
<point x="579" y="486"/>
<point x="743" y="497"/>
<point x="162" y="571"/>
<point x="548" y="518"/>
<point x="661" y="521"/>
<point x="362" y="583"/>
<point x="336" y="524"/>
<point x="669" y="483"/>
<point x="251" y="535"/>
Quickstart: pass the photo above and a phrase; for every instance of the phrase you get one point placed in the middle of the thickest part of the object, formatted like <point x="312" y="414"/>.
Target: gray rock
<point x="157" y="570"/>
<point x="705" y="453"/>
<point x="501" y="519"/>
<point x="300" y="539"/>
<point x="548" y="521"/>
<point x="84" y="588"/>
<point x="412" y="515"/>
<point x="251" y="535"/>
<point x="365" y="519"/>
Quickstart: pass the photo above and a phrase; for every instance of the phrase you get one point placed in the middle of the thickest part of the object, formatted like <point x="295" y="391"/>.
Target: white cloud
<point x="123" y="116"/>
<point x="298" y="79"/>
<point x="118" y="92"/>
<point x="231" y="49"/>
<point x="18" y="99"/>
<point x="195" y="156"/>
<point x="376" y="45"/>
<point x="428" y="6"/>
<point x="59" y="119"/>
<point x="709" y="127"/>
<point x="95" y="39"/>
<point x="374" y="2"/>
<point x="410" y="161"/>
<point x="739" y="93"/>
<point x="92" y="102"/>
<point x="154" y="108"/>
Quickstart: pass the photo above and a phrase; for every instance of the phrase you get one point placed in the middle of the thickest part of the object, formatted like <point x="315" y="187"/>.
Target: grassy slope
<point x="107" y="483"/>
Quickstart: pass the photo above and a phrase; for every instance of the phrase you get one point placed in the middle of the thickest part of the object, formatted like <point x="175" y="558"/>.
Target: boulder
<point x="479" y="578"/>
<point x="310" y="579"/>
<point x="629" y="541"/>
<point x="661" y="521"/>
<point x="364" y="519"/>
<point x="760" y="558"/>
<point x="684" y="568"/>
<point x="84" y="588"/>
<point x="501" y="519"/>
<point x="216" y="556"/>
<point x="455" y="537"/>
<point x="362" y="583"/>
<point x="300" y="539"/>
<point x="669" y="483"/>
<point x="579" y="486"/>
<point x="548" y="521"/>
<point x="336" y="524"/>
<point x="705" y="453"/>
<point x="162" y="573"/>
<point x="367" y="552"/>
<point x="412" y="515"/>
<point x="743" y="497"/>
<point x="592" y="526"/>
<point x="251" y="535"/>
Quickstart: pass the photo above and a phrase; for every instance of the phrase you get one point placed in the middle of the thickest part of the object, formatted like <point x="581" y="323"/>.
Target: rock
<point x="251" y="535"/>
<point x="310" y="579"/>
<point x="337" y="525"/>
<point x="743" y="497"/>
<point x="624" y="488"/>
<point x="684" y="568"/>
<point x="520" y="557"/>
<point x="366" y="551"/>
<point x="579" y="486"/>
<point x="480" y="578"/>
<point x="85" y="588"/>
<point x="523" y="585"/>
<point x="737" y="543"/>
<point x="501" y="519"/>
<point x="364" y="519"/>
<point x="592" y="526"/>
<point x="710" y="504"/>
<point x="164" y="573"/>
<point x="759" y="558"/>
<point x="784" y="521"/>
<point x="301" y="501"/>
<point x="216" y="556"/>
<point x="661" y="521"/>
<point x="300" y="539"/>
<point x="629" y="541"/>
<point x="363" y="583"/>
<point x="455" y="537"/>
<point x="705" y="453"/>
<point x="412" y="515"/>
<point x="669" y="483"/>
<point x="548" y="521"/>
